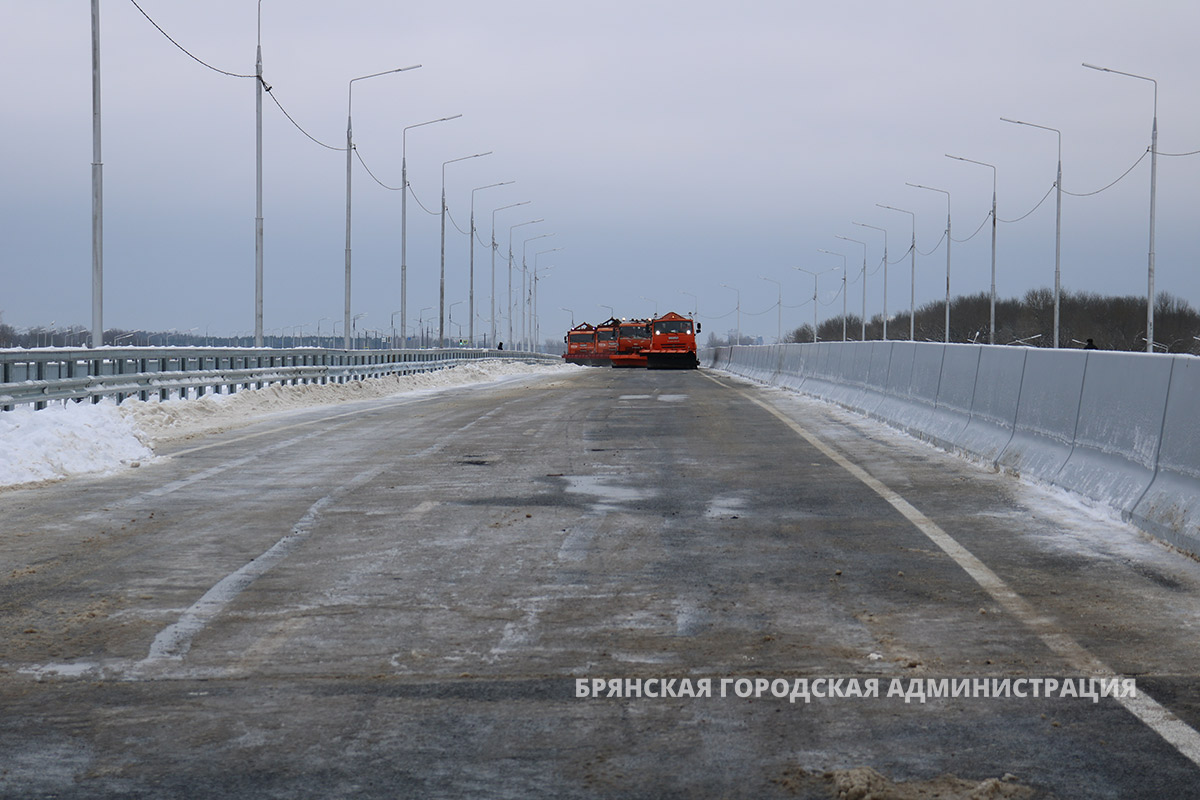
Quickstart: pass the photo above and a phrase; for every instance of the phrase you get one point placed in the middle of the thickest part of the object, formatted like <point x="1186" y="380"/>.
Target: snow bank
<point x="60" y="441"/>
<point x="79" y="438"/>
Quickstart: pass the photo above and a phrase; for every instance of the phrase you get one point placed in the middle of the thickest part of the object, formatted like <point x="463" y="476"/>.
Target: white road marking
<point x="1181" y="736"/>
<point x="173" y="642"/>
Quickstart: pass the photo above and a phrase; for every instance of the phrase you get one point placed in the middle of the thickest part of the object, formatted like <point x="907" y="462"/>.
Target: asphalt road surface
<point x="402" y="598"/>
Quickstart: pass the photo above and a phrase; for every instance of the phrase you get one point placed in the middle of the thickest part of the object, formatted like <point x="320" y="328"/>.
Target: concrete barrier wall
<point x="994" y="405"/>
<point x="1170" y="508"/>
<point x="1047" y="411"/>
<point x="1119" y="428"/>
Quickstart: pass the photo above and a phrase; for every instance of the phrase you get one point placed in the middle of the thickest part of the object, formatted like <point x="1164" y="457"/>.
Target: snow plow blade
<point x="682" y="360"/>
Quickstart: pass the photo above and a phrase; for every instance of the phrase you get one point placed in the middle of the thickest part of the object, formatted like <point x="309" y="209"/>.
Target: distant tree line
<point x="1113" y="323"/>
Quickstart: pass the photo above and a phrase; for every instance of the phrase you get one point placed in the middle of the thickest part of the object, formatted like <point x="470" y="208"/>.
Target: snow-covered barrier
<point x="1118" y="428"/>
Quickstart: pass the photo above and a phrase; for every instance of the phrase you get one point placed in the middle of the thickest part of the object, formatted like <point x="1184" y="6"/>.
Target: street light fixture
<point x="695" y="304"/>
<point x="864" y="286"/>
<point x="992" y="323"/>
<point x="885" y="271"/>
<point x="525" y="297"/>
<point x="509" y="313"/>
<point x="1057" y="221"/>
<point x="1153" y="184"/>
<point x="843" y="257"/>
<point x="404" y="219"/>
<point x="452" y="305"/>
<point x="442" y="279"/>
<point x="495" y="247"/>
<point x="815" y="276"/>
<point x="654" y="302"/>
<point x="536" y="325"/>
<point x="912" y="297"/>
<point x="569" y="311"/>
<point x="948" y="240"/>
<point x="471" y="284"/>
<point x="349" y="163"/>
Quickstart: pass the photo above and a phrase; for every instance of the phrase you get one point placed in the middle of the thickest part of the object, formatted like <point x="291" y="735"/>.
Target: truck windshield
<point x="606" y="335"/>
<point x="581" y="337"/>
<point x="635" y="331"/>
<point x="672" y="326"/>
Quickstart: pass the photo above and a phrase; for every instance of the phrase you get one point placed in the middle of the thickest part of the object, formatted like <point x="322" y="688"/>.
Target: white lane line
<point x="173" y="642"/>
<point x="1179" y="734"/>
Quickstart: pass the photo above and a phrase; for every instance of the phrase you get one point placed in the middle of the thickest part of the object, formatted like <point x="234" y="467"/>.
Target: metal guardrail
<point x="43" y="375"/>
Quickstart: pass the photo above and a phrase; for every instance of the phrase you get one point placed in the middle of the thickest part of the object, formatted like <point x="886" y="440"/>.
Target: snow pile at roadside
<point x="180" y="419"/>
<point x="60" y="441"/>
<point x="78" y="438"/>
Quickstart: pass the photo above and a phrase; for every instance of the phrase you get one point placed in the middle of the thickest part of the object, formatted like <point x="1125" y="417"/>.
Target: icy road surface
<point x="402" y="597"/>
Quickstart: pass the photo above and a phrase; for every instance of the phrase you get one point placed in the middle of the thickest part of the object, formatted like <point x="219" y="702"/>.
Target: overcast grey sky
<point x="671" y="147"/>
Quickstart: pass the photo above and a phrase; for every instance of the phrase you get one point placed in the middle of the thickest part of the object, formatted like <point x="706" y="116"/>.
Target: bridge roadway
<point x="395" y="599"/>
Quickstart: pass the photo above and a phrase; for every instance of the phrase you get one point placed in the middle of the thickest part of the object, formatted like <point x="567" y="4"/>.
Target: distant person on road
<point x="1091" y="345"/>
<point x="500" y="345"/>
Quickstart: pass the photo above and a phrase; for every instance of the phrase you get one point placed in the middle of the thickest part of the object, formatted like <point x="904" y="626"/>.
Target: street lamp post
<point x="525" y="293"/>
<point x="97" y="190"/>
<point x="1057" y="222"/>
<point x="943" y="191"/>
<point x="844" y="312"/>
<point x="885" y="272"/>
<point x="778" y="308"/>
<point x="739" y="311"/>
<point x="471" y="284"/>
<point x="421" y="324"/>
<point x="815" y="276"/>
<point x="452" y="305"/>
<point x="537" y="338"/>
<point x="258" y="188"/>
<point x="404" y="220"/>
<point x="864" y="282"/>
<point x="652" y="302"/>
<point x="992" y="318"/>
<point x="695" y="304"/>
<point x="912" y="297"/>
<point x="569" y="311"/>
<point x="496" y="247"/>
<point x="537" y="321"/>
<point x="442" y="278"/>
<point x="349" y="164"/>
<point x="509" y="312"/>
<point x="1153" y="184"/>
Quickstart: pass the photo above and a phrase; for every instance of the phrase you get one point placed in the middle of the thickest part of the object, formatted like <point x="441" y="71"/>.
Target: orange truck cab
<point x="581" y="344"/>
<point x="633" y="337"/>
<point x="606" y="341"/>
<point x="672" y="343"/>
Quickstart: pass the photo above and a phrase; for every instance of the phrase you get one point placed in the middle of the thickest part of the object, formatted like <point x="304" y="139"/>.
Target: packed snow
<point x="61" y="441"/>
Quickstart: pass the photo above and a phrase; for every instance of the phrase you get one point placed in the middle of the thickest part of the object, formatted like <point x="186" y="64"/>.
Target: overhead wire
<point x="1114" y="183"/>
<point x="183" y="49"/>
<point x="977" y="230"/>
<point x="935" y="247"/>
<point x="1035" y="208"/>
